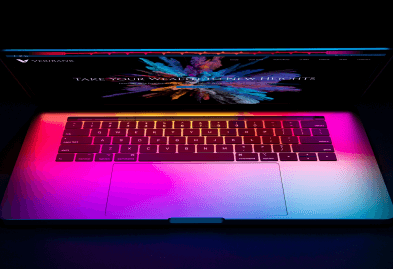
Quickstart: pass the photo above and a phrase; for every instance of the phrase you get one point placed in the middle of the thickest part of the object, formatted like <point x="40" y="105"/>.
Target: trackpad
<point x="220" y="190"/>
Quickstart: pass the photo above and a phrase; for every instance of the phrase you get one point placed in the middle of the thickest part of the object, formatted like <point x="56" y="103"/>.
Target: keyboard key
<point x="252" y="140"/>
<point x="313" y="123"/>
<point x="84" y="157"/>
<point x="289" y="140"/>
<point x="91" y="124"/>
<point x="283" y="132"/>
<point x="302" y="132"/>
<point x="288" y="157"/>
<point x="218" y="124"/>
<point x="145" y="124"/>
<point x="214" y="140"/>
<point x="243" y="148"/>
<point x="224" y="148"/>
<point x="136" y="132"/>
<point x="128" y="124"/>
<point x="182" y="124"/>
<point x="233" y="140"/>
<point x="320" y="132"/>
<point x="139" y="140"/>
<point x="117" y="132"/>
<point x="246" y="132"/>
<point x="103" y="157"/>
<point x="254" y="124"/>
<point x="195" y="140"/>
<point x="110" y="124"/>
<point x="154" y="132"/>
<point x="265" y="132"/>
<point x="102" y="140"/>
<point x="315" y="140"/>
<point x="125" y="157"/>
<point x="205" y="148"/>
<point x="76" y="132"/>
<point x="76" y="140"/>
<point x="281" y="148"/>
<point x="73" y="125"/>
<point x="270" y="140"/>
<point x="158" y="140"/>
<point x="148" y="149"/>
<point x="177" y="140"/>
<point x="312" y="148"/>
<point x="164" y="124"/>
<point x="237" y="124"/>
<point x="247" y="157"/>
<point x="186" y="148"/>
<point x="186" y="157"/>
<point x="129" y="148"/>
<point x="200" y="124"/>
<point x="79" y="148"/>
<point x="262" y="148"/>
<point x="172" y="132"/>
<point x="327" y="157"/>
<point x="191" y="132"/>
<point x="99" y="132"/>
<point x="210" y="132"/>
<point x="291" y="124"/>
<point x="121" y="140"/>
<point x="110" y="148"/>
<point x="167" y="148"/>
<point x="272" y="124"/>
<point x="307" y="156"/>
<point x="228" y="132"/>
<point x="268" y="156"/>
<point x="65" y="157"/>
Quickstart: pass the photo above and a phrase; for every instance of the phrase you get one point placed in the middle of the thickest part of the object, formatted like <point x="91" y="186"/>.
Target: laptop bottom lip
<point x="214" y="222"/>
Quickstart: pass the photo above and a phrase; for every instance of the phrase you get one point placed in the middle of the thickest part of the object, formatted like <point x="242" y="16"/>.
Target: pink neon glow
<point x="42" y="188"/>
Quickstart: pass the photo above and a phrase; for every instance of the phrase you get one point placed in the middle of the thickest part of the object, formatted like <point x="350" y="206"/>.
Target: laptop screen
<point x="196" y="77"/>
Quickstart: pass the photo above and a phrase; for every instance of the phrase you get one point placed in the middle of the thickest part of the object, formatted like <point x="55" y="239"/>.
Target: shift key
<point x="313" y="148"/>
<point x="315" y="140"/>
<point x="76" y="140"/>
<point x="79" y="148"/>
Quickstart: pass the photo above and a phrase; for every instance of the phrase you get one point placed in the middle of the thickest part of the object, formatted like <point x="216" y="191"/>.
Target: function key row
<point x="195" y="124"/>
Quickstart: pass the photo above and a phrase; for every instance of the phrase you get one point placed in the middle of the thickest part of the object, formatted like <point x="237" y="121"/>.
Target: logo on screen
<point x="22" y="61"/>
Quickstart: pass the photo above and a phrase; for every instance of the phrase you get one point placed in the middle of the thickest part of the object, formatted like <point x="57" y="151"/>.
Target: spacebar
<point x="149" y="157"/>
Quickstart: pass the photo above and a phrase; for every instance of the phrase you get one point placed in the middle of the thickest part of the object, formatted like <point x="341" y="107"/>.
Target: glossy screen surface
<point x="198" y="78"/>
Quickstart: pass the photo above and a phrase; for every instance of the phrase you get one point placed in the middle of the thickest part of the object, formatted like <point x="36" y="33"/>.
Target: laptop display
<point x="197" y="78"/>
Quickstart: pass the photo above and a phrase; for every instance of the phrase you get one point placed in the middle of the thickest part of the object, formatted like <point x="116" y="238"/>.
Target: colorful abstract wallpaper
<point x="205" y="79"/>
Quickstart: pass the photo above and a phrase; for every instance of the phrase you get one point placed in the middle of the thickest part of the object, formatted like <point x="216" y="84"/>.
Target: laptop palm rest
<point x="204" y="191"/>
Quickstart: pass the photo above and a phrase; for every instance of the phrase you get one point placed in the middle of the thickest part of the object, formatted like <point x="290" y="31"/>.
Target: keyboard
<point x="234" y="139"/>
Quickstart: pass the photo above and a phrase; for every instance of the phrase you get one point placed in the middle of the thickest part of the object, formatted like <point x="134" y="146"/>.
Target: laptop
<point x="196" y="136"/>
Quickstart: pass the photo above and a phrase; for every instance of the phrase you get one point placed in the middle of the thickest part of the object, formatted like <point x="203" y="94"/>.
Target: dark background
<point x="206" y="247"/>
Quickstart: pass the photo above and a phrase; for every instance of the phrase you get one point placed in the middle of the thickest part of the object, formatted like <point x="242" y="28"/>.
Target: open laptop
<point x="186" y="136"/>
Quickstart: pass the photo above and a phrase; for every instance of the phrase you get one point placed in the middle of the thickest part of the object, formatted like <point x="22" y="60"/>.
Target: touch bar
<point x="195" y="118"/>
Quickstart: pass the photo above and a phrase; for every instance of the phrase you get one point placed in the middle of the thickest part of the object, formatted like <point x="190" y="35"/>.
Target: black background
<point x="207" y="247"/>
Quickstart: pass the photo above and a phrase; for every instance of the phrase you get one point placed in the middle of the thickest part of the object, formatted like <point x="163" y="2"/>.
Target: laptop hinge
<point x="196" y="220"/>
